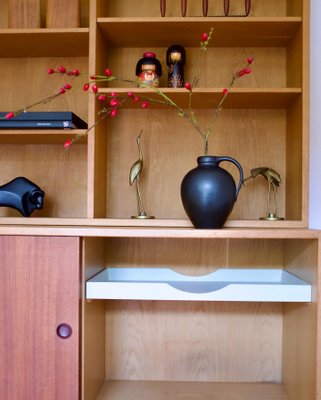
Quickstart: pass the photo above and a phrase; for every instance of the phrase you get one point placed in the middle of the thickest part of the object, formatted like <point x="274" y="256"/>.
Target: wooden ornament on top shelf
<point x="63" y="14"/>
<point x="24" y="14"/>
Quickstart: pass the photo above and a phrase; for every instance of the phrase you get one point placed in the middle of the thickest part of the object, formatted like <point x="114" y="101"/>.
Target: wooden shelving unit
<point x="159" y="348"/>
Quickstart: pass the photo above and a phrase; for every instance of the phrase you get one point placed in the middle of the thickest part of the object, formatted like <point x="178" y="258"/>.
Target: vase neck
<point x="208" y="160"/>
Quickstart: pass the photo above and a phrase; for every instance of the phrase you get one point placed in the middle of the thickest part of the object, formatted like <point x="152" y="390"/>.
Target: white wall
<point x="315" y="117"/>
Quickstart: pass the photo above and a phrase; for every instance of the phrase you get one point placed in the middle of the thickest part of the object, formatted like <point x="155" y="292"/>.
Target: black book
<point x="43" y="120"/>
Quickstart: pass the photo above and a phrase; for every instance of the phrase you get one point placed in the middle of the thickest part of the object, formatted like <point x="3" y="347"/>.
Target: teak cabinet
<point x="122" y="348"/>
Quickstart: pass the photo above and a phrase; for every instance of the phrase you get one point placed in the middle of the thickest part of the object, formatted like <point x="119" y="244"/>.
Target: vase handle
<point x="232" y="160"/>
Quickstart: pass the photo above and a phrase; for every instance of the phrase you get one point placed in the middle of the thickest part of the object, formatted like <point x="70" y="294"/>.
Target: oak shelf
<point x="208" y="98"/>
<point x="40" y="136"/>
<point x="43" y="42"/>
<point x="234" y="32"/>
<point x="126" y="390"/>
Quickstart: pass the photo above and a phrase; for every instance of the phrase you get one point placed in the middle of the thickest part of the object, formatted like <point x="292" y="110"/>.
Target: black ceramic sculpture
<point x="22" y="195"/>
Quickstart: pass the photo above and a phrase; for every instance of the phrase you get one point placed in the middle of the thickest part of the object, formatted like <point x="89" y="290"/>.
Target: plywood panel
<point x="197" y="258"/>
<point x="170" y="148"/>
<point x="62" y="176"/>
<point x="22" y="92"/>
<point x="24" y="14"/>
<point x="122" y="8"/>
<point x="62" y="14"/>
<point x="217" y="65"/>
<point x="150" y="340"/>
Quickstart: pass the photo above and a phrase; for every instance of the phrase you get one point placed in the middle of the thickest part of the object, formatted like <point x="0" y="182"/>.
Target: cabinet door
<point x="39" y="290"/>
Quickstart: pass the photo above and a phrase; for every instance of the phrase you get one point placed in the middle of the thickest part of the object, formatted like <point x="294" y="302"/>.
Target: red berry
<point x="113" y="94"/>
<point x="62" y="90"/>
<point x="102" y="97"/>
<point x="93" y="77"/>
<point x="204" y="37"/>
<point x="225" y="91"/>
<point x="113" y="103"/>
<point x="51" y="71"/>
<point x="67" y="86"/>
<point x="188" y="86"/>
<point x="94" y="88"/>
<point x="9" y="115"/>
<point x="136" y="98"/>
<point x="247" y="70"/>
<point x="113" y="112"/>
<point x="250" y="60"/>
<point x="86" y="87"/>
<point x="108" y="72"/>
<point x="241" y="73"/>
<point x="76" y="71"/>
<point x="130" y="94"/>
<point x="67" y="144"/>
<point x="61" y="69"/>
<point x="145" y="104"/>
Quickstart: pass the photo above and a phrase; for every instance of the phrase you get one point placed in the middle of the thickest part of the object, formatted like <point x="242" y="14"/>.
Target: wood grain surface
<point x="39" y="289"/>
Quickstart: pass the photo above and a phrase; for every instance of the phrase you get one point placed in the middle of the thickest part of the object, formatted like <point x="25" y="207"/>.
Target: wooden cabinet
<point x="154" y="348"/>
<point x="40" y="291"/>
<point x="264" y="121"/>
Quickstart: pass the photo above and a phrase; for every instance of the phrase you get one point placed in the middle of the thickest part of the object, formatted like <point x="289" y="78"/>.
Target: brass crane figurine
<point x="274" y="180"/>
<point x="134" y="176"/>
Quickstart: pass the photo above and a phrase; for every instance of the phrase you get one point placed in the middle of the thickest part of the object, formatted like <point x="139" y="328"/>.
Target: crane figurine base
<point x="271" y="217"/>
<point x="144" y="216"/>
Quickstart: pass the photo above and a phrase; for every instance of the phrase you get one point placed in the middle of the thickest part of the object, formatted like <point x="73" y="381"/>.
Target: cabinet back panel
<point x="127" y="8"/>
<point x="196" y="257"/>
<point x="209" y="341"/>
<point x="62" y="175"/>
<point x="170" y="148"/>
<point x="217" y="65"/>
<point x="84" y="13"/>
<point x="192" y="341"/>
<point x="20" y="92"/>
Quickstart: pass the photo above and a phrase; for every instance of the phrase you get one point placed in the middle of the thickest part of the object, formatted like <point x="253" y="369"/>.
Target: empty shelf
<point x="275" y="285"/>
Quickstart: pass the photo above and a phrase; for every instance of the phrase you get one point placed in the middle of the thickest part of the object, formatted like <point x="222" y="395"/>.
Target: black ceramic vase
<point x="209" y="192"/>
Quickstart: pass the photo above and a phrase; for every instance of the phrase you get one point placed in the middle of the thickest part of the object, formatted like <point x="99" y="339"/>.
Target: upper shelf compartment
<point x="44" y="42"/>
<point x="228" y="32"/>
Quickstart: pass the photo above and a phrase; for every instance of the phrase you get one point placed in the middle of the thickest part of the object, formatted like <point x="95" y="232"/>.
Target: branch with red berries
<point x="113" y="101"/>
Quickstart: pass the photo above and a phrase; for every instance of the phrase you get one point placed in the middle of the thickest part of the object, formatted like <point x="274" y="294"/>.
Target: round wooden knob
<point x="64" y="331"/>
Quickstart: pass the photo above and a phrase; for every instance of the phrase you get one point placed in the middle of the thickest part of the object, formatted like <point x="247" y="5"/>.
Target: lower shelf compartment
<point x="137" y="390"/>
<point x="221" y="285"/>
